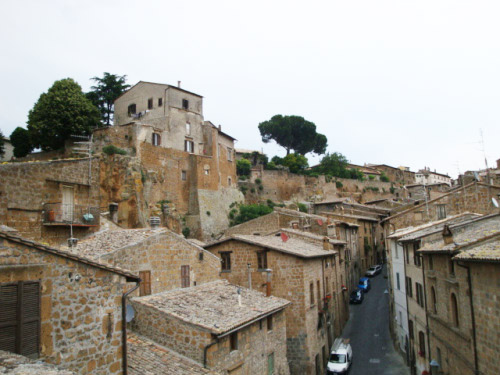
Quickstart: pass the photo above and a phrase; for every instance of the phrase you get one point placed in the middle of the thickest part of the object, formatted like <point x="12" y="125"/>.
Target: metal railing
<point x="58" y="213"/>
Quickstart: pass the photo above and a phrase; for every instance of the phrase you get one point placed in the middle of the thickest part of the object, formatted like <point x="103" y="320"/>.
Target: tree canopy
<point x="293" y="133"/>
<point x="296" y="163"/>
<point x="59" y="113"/>
<point x="20" y="139"/>
<point x="104" y="93"/>
<point x="243" y="167"/>
<point x="336" y="165"/>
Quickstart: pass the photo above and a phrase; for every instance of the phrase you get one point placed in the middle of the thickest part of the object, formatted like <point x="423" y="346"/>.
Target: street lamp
<point x="434" y="367"/>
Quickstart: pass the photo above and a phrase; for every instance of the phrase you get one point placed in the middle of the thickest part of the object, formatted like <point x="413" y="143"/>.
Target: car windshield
<point x="372" y="269"/>
<point x="337" y="358"/>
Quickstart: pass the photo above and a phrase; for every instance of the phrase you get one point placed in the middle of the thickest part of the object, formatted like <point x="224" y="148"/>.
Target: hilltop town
<point x="129" y="252"/>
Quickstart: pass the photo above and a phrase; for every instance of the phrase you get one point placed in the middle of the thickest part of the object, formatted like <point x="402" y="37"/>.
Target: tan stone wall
<point x="164" y="254"/>
<point x="254" y="343"/>
<point x="485" y="281"/>
<point x="291" y="277"/>
<point x="455" y="343"/>
<point x="26" y="187"/>
<point x="80" y="319"/>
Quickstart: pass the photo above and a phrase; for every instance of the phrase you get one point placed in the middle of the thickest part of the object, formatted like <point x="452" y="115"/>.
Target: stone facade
<point x="8" y="150"/>
<point x="244" y="346"/>
<point x="400" y="175"/>
<point x="313" y="321"/>
<point x="30" y="190"/>
<point x="161" y="253"/>
<point x="80" y="305"/>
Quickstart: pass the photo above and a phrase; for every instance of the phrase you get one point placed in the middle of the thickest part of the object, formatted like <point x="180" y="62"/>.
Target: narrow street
<point x="368" y="329"/>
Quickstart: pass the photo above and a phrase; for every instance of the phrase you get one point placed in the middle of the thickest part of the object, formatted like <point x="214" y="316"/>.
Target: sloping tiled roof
<point x="359" y="217"/>
<point x="16" y="364"/>
<point x="312" y="236"/>
<point x="108" y="241"/>
<point x="488" y="251"/>
<point x="292" y="246"/>
<point x="437" y="226"/>
<point x="145" y="357"/>
<point x="214" y="306"/>
<point x="66" y="254"/>
<point x="482" y="229"/>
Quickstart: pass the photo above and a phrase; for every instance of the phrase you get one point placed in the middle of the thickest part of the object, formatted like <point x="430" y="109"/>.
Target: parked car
<point x="372" y="271"/>
<point x="364" y="284"/>
<point x="378" y="267"/>
<point x="340" y="357"/>
<point x="356" y="297"/>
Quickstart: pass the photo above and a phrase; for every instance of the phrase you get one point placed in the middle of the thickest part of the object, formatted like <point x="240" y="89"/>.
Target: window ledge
<point x="452" y="280"/>
<point x="225" y="271"/>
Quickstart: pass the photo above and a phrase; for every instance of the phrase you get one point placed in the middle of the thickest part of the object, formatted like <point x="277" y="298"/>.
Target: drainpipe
<point x="427" y="329"/>
<point x="473" y="318"/>
<point x="124" y="324"/>
<point x="205" y="351"/>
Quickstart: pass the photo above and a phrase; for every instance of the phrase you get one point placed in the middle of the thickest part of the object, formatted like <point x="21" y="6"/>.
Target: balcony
<point x="58" y="214"/>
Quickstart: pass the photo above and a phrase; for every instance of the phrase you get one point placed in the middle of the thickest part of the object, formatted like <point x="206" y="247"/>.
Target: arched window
<point x="433" y="300"/>
<point x="454" y="310"/>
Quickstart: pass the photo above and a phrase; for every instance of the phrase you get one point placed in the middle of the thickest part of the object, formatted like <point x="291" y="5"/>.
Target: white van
<point x="340" y="357"/>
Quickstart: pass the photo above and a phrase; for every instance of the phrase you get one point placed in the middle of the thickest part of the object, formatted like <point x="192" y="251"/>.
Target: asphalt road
<point x="368" y="329"/>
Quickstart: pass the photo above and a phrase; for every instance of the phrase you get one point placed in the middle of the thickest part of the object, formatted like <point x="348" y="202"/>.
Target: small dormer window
<point x="185" y="104"/>
<point x="131" y="109"/>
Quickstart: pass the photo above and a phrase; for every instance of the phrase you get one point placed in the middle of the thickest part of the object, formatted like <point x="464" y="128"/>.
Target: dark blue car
<point x="356" y="296"/>
<point x="364" y="284"/>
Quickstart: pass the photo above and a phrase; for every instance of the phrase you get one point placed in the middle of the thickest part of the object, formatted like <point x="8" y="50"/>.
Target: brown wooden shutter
<point x="20" y="318"/>
<point x="145" y="288"/>
<point x="185" y="277"/>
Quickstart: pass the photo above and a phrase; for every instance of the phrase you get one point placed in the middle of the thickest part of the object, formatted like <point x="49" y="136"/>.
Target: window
<point x="420" y="294"/>
<point x="421" y="344"/>
<point x="183" y="175"/>
<point x="233" y="341"/>
<point x="185" y="104"/>
<point x="270" y="364"/>
<point x="410" y="329"/>
<point x="454" y="310"/>
<point x="417" y="259"/>
<point x="451" y="267"/>
<point x="397" y="281"/>
<point x="189" y="146"/>
<point x="441" y="211"/>
<point x="188" y="128"/>
<point x="433" y="300"/>
<point x="226" y="261"/>
<point x="185" y="277"/>
<point x="318" y="365"/>
<point x="409" y="287"/>
<point x="160" y="102"/>
<point x="145" y="288"/>
<point x="20" y="318"/>
<point x="327" y="285"/>
<point x="229" y="154"/>
<point x="229" y="181"/>
<point x="262" y="260"/>
<point x="400" y="318"/>
<point x="131" y="109"/>
<point x="407" y="254"/>
<point x="207" y="172"/>
<point x="270" y="323"/>
<point x="150" y="103"/>
<point x="431" y="262"/>
<point x="311" y="293"/>
<point x="156" y="139"/>
<point x="319" y="292"/>
<point x="439" y="360"/>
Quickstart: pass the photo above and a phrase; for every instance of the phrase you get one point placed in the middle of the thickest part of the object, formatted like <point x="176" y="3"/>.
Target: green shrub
<point x="208" y="213"/>
<point x="112" y="149"/>
<point x="242" y="178"/>
<point x="384" y="178"/>
<point x="371" y="177"/>
<point x="243" y="167"/>
<point x="243" y="189"/>
<point x="252" y="190"/>
<point x="339" y="184"/>
<point x="258" y="181"/>
<point x="261" y="187"/>
<point x="302" y="207"/>
<point x="250" y="211"/>
<point x="186" y="232"/>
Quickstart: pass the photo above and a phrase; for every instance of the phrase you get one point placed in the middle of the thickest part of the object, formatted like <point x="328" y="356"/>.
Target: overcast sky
<point x="398" y="82"/>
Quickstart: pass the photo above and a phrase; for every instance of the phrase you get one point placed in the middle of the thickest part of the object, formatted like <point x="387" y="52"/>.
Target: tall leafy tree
<point x="2" y="142"/>
<point x="293" y="133"/>
<point x="59" y="113"/>
<point x="20" y="139"/>
<point x="104" y="93"/>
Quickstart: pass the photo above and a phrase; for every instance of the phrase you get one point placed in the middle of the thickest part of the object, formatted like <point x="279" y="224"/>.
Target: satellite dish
<point x="130" y="313"/>
<point x="495" y="203"/>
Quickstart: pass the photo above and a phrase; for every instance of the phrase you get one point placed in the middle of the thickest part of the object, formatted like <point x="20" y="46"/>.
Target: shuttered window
<point x="20" y="318"/>
<point x="185" y="276"/>
<point x="145" y="288"/>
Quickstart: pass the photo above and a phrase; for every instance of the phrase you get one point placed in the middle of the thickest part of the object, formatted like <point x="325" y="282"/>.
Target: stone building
<point x="178" y="166"/>
<point x="462" y="314"/>
<point x="421" y="192"/>
<point x="164" y="260"/>
<point x="50" y="201"/>
<point x="427" y="177"/>
<point x="401" y="175"/>
<point x="219" y="325"/>
<point x="408" y="303"/>
<point x="310" y="275"/>
<point x="367" y="171"/>
<point x="72" y="307"/>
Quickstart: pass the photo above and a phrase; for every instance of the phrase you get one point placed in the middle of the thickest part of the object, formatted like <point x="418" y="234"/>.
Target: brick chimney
<point x="447" y="235"/>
